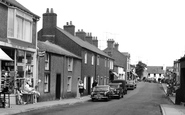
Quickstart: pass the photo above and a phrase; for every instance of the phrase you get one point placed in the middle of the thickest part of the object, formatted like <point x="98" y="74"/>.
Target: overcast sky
<point x="152" y="31"/>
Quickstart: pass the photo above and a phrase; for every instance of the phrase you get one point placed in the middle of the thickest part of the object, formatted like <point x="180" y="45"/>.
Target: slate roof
<point x="155" y="69"/>
<point x="18" y="5"/>
<point x="84" y="44"/>
<point x="50" y="47"/>
<point x="119" y="58"/>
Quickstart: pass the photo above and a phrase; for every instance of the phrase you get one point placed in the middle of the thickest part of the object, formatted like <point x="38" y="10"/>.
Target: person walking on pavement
<point x="95" y="83"/>
<point x="81" y="88"/>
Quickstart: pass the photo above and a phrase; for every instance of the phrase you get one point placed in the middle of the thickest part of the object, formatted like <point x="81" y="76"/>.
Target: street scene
<point x="106" y="66"/>
<point x="144" y="100"/>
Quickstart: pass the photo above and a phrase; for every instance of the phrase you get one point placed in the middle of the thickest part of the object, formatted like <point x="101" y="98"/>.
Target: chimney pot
<point x="67" y="23"/>
<point x="81" y="30"/>
<point x="78" y="30"/>
<point x="70" y="22"/>
<point x="47" y="10"/>
<point x="52" y="10"/>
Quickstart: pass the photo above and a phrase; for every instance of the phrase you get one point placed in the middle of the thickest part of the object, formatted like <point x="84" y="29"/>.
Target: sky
<point x="152" y="31"/>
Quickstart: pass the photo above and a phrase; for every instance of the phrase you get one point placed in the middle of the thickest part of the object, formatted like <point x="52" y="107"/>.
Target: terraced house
<point x="95" y="63"/>
<point x="18" y="47"/>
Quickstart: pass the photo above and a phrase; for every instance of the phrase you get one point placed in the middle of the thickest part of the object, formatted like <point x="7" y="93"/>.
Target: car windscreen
<point x="100" y="89"/>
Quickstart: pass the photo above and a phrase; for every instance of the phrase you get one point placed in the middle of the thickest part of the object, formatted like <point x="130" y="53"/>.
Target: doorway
<point x="58" y="86"/>
<point x="89" y="85"/>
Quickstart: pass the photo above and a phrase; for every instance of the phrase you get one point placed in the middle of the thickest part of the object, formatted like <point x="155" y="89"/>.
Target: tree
<point x="140" y="67"/>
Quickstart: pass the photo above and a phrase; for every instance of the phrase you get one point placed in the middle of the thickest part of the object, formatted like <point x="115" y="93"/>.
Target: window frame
<point x="70" y="64"/>
<point x="16" y="13"/>
<point x="92" y="59"/>
<point x="46" y="82"/>
<point x="98" y="60"/>
<point x="85" y="58"/>
<point x="69" y="83"/>
<point x="47" y="61"/>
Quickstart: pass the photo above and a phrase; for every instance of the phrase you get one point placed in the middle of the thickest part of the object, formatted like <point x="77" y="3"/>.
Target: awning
<point x="4" y="56"/>
<point x="115" y="74"/>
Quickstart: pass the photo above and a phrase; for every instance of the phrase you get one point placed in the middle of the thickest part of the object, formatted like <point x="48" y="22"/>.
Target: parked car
<point x="101" y="92"/>
<point x="117" y="90"/>
<point x="123" y="84"/>
<point x="131" y="84"/>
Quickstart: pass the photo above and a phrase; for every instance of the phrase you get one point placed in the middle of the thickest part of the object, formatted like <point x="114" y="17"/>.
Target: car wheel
<point x="122" y="96"/>
<point x="108" y="98"/>
<point x="119" y="96"/>
<point x="93" y="99"/>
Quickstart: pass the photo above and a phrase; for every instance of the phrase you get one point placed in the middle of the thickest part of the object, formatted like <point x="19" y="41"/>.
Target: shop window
<point x="70" y="64"/>
<point x="46" y="82"/>
<point x="19" y="25"/>
<point x="69" y="83"/>
<point x="47" y="59"/>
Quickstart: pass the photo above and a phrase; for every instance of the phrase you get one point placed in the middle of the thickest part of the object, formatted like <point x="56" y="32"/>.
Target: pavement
<point x="14" y="109"/>
<point x="171" y="109"/>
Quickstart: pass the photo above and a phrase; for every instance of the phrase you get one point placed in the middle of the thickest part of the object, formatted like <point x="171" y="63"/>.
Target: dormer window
<point x="19" y="25"/>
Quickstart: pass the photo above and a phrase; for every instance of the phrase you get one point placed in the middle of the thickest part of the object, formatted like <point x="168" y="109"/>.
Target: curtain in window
<point x="19" y="28"/>
<point x="27" y="32"/>
<point x="10" y="22"/>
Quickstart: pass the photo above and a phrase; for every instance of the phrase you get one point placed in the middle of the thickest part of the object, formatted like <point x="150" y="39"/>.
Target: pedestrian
<point x="95" y="83"/>
<point x="81" y="88"/>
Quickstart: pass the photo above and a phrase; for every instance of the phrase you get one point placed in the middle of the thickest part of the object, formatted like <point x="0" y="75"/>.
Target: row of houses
<point x="54" y="59"/>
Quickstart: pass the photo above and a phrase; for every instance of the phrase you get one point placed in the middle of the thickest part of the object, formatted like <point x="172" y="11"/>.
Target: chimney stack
<point x="88" y="38"/>
<point x="95" y="41"/>
<point x="69" y="27"/>
<point x="49" y="19"/>
<point x="116" y="46"/>
<point x="81" y="34"/>
<point x="110" y="43"/>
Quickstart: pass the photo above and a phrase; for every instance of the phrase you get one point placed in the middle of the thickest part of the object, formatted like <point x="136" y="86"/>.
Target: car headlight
<point x="105" y="93"/>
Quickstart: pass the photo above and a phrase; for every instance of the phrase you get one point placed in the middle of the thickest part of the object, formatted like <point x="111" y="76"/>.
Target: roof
<point x="84" y="44"/>
<point x="50" y="47"/>
<point x="155" y="69"/>
<point x="119" y="58"/>
<point x="18" y="5"/>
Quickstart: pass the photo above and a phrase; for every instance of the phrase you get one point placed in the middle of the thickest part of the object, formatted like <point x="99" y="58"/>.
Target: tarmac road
<point x="144" y="100"/>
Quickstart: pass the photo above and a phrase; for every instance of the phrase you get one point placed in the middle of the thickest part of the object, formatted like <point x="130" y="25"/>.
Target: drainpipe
<point x="63" y="76"/>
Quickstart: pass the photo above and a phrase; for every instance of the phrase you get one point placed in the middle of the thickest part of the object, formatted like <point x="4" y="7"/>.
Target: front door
<point x="89" y="85"/>
<point x="58" y="86"/>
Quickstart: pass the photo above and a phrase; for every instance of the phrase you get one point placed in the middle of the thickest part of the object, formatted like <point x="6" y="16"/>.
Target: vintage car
<point x="123" y="84"/>
<point x="101" y="92"/>
<point x="117" y="90"/>
<point x="131" y="84"/>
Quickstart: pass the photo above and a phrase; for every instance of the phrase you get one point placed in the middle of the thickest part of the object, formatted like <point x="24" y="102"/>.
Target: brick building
<point x="95" y="63"/>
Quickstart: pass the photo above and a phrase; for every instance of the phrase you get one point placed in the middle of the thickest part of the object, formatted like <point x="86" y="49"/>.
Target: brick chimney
<point x="116" y="46"/>
<point x="95" y="41"/>
<point x="81" y="34"/>
<point x="49" y="26"/>
<point x="69" y="27"/>
<point x="110" y="43"/>
<point x="88" y="38"/>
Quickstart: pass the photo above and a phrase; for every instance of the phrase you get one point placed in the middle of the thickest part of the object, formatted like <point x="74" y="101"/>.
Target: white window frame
<point x="69" y="83"/>
<point x="16" y="13"/>
<point x="47" y="63"/>
<point x="46" y="82"/>
<point x="85" y="58"/>
<point x="98" y="60"/>
<point x="70" y="64"/>
<point x="92" y="60"/>
<point x="85" y="79"/>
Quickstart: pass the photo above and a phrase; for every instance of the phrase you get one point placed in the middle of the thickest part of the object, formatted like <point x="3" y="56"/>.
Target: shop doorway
<point x="58" y="86"/>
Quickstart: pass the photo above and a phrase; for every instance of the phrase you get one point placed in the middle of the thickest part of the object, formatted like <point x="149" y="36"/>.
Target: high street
<point x="144" y="100"/>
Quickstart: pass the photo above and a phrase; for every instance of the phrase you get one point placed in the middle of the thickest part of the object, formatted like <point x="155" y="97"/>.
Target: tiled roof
<point x="50" y="47"/>
<point x="18" y="5"/>
<point x="84" y="44"/>
<point x="155" y="69"/>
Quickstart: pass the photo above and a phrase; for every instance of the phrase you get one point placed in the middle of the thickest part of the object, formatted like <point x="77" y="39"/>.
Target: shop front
<point x="15" y="70"/>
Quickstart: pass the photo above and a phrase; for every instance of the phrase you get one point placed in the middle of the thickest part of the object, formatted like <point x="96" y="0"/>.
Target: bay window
<point x="19" y="25"/>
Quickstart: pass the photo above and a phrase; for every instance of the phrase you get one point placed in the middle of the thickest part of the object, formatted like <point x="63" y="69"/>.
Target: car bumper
<point x="99" y="97"/>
